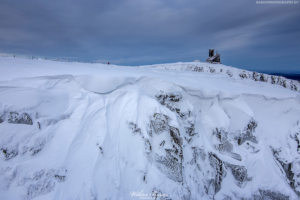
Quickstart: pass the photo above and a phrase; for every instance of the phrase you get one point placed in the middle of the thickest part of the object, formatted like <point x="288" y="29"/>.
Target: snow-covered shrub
<point x="294" y="86"/>
<point x="243" y="75"/>
<point x="273" y="79"/>
<point x="229" y="73"/>
<point x="256" y="76"/>
<point x="212" y="70"/>
<point x="134" y="128"/>
<point x="263" y="78"/>
<point x="10" y="151"/>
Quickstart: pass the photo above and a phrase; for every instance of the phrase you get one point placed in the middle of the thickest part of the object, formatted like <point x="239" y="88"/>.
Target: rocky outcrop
<point x="239" y="173"/>
<point x="247" y="134"/>
<point x="19" y="118"/>
<point x="171" y="164"/>
<point x="219" y="173"/>
<point x="292" y="173"/>
<point x="267" y="194"/>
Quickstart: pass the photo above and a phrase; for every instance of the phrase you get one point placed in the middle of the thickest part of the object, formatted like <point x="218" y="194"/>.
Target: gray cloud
<point x="136" y="32"/>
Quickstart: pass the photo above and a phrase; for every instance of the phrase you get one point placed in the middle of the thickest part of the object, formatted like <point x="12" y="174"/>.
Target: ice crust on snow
<point x="171" y="131"/>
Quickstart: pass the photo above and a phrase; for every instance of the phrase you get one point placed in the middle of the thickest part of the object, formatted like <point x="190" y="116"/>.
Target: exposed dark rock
<point x="160" y="123"/>
<point x="291" y="176"/>
<point x="170" y="166"/>
<point x="16" y="118"/>
<point x="147" y="145"/>
<point x="197" y="154"/>
<point x="39" y="125"/>
<point x="197" y="69"/>
<point x="226" y="148"/>
<point x="251" y="126"/>
<point x="220" y="134"/>
<point x="134" y="128"/>
<point x="287" y="167"/>
<point x="175" y="135"/>
<point x="189" y="140"/>
<point x="218" y="167"/>
<point x="168" y="100"/>
<point x="101" y="150"/>
<point x="247" y="134"/>
<point x="247" y="137"/>
<point x="296" y="138"/>
<point x="239" y="173"/>
<point x="177" y="110"/>
<point x="163" y="98"/>
<point x="60" y="178"/>
<point x="279" y="80"/>
<point x="190" y="130"/>
<point x="270" y="195"/>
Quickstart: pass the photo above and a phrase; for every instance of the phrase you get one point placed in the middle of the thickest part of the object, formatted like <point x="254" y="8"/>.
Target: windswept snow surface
<point x="173" y="131"/>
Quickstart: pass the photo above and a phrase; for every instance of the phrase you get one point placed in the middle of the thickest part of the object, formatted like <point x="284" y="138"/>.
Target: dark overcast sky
<point x="137" y="32"/>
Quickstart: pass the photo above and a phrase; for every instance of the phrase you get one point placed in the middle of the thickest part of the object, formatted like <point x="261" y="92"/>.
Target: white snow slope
<point x="173" y="131"/>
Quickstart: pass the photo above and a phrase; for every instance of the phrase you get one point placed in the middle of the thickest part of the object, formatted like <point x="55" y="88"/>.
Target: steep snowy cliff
<point x="172" y="131"/>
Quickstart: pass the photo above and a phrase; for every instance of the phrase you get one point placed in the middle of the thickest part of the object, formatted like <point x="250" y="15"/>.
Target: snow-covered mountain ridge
<point x="235" y="73"/>
<point x="95" y="131"/>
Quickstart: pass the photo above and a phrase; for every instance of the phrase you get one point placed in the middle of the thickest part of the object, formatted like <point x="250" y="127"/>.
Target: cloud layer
<point x="136" y="32"/>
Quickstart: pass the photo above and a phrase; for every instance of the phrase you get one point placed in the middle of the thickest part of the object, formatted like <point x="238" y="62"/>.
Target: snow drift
<point x="173" y="131"/>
